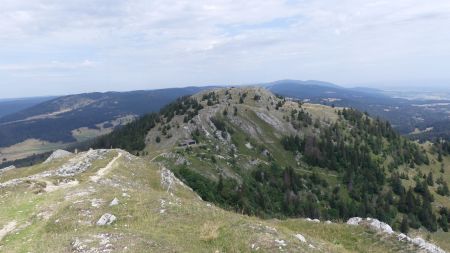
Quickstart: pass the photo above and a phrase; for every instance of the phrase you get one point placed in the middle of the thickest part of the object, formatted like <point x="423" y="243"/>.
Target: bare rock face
<point x="106" y="219"/>
<point x="57" y="155"/>
<point x="81" y="163"/>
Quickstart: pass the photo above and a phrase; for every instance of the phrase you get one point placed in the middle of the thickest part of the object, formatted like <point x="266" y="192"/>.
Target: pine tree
<point x="443" y="222"/>
<point x="404" y="227"/>
<point x="430" y="180"/>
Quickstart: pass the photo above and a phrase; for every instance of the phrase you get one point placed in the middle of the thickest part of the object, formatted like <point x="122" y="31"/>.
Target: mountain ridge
<point x="248" y="140"/>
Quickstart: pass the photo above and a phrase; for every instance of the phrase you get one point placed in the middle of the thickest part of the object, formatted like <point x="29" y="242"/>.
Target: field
<point x="28" y="148"/>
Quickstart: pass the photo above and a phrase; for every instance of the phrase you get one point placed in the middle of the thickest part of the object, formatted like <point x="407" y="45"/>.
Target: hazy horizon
<point x="52" y="47"/>
<point x="393" y="88"/>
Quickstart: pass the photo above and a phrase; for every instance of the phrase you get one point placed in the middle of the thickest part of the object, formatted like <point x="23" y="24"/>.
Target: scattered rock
<point x="169" y="180"/>
<point x="281" y="243"/>
<point x="50" y="187"/>
<point x="114" y="202"/>
<point x="248" y="145"/>
<point x="301" y="238"/>
<point x="106" y="219"/>
<point x="181" y="160"/>
<point x="96" y="202"/>
<point x="81" y="163"/>
<point x="57" y="154"/>
<point x="385" y="228"/>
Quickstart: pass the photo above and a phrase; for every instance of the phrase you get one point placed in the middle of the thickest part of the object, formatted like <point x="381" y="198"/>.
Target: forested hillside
<point x="263" y="155"/>
<point x="55" y="120"/>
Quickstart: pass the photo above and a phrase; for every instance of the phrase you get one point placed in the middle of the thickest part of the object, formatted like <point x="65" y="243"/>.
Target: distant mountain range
<point x="78" y="117"/>
<point x="406" y="115"/>
<point x="37" y="125"/>
<point x="9" y="106"/>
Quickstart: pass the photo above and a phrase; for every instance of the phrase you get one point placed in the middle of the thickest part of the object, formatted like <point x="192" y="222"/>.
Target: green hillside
<point x="58" y="207"/>
<point x="262" y="155"/>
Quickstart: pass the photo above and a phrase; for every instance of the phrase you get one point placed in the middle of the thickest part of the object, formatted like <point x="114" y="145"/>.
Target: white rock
<point x="428" y="247"/>
<point x="316" y="220"/>
<point x="385" y="228"/>
<point x="328" y="222"/>
<point x="301" y="238"/>
<point x="380" y="226"/>
<point x="57" y="154"/>
<point x="354" y="221"/>
<point x="96" y="203"/>
<point x="281" y="243"/>
<point x="114" y="202"/>
<point x="106" y="219"/>
<point x="81" y="163"/>
<point x="403" y="237"/>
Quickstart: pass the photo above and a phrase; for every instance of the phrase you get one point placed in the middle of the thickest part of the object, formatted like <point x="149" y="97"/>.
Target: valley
<point x="61" y="122"/>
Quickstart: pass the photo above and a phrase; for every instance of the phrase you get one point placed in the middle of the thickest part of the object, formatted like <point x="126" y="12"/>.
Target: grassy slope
<point x="187" y="224"/>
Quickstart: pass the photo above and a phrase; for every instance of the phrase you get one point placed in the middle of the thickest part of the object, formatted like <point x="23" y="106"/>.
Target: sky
<point x="53" y="47"/>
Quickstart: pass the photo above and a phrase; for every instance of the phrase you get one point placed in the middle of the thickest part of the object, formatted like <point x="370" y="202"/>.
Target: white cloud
<point x="51" y="66"/>
<point x="192" y="42"/>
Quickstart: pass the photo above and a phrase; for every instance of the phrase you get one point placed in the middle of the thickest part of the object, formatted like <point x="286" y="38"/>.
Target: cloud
<point x="51" y="66"/>
<point x="168" y="42"/>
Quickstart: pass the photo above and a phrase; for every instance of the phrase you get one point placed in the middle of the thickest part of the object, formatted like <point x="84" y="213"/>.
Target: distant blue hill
<point x="53" y="120"/>
<point x="12" y="105"/>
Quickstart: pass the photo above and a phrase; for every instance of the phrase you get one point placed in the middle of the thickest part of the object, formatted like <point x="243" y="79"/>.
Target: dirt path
<point x="159" y="155"/>
<point x="103" y="171"/>
<point x="7" y="229"/>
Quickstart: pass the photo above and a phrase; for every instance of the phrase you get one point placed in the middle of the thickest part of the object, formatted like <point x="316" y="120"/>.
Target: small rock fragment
<point x="301" y="238"/>
<point x="106" y="219"/>
<point x="114" y="202"/>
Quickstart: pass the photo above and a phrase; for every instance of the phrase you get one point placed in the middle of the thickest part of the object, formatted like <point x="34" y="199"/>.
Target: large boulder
<point x="372" y="223"/>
